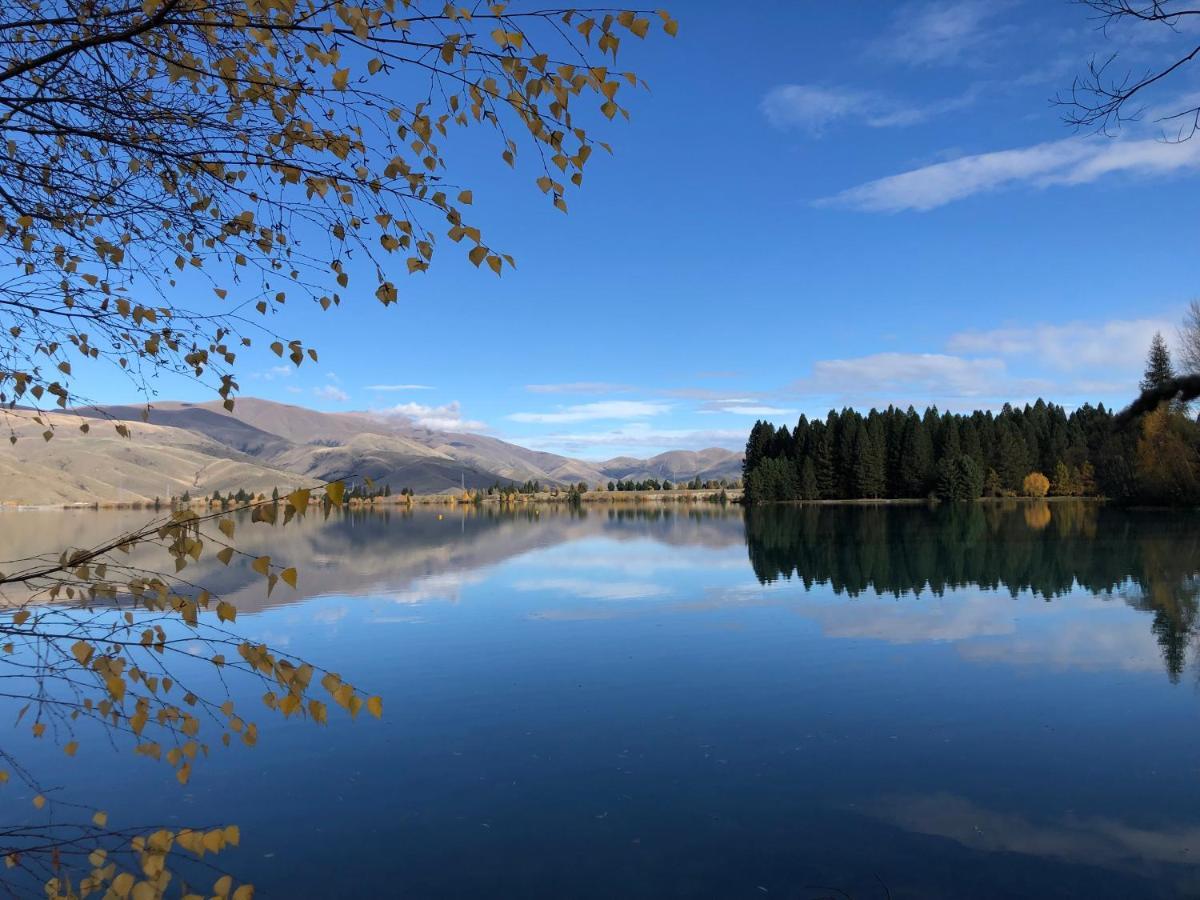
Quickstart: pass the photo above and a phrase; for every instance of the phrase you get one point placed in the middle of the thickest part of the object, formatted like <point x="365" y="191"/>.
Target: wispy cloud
<point x="580" y="387"/>
<point x="447" y="417"/>
<point x="1115" y="345"/>
<point x="331" y="392"/>
<point x="1071" y="161"/>
<point x="743" y="406"/>
<point x="938" y="33"/>
<point x="633" y="436"/>
<point x="814" y="108"/>
<point x="275" y="372"/>
<point x="394" y="388"/>
<point x="589" y="412"/>
<point x="945" y="380"/>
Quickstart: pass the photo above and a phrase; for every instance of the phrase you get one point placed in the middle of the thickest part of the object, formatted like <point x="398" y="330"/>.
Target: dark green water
<point x="974" y="701"/>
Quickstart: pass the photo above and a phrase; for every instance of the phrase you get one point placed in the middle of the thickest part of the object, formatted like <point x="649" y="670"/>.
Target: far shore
<point x="402" y="501"/>
<point x="559" y="498"/>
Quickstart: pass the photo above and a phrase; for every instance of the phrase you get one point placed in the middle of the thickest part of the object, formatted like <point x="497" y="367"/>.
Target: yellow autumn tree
<point x="1035" y="485"/>
<point x="172" y="174"/>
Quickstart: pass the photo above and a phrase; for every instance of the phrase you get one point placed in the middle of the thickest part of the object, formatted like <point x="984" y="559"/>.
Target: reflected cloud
<point x="1095" y="841"/>
<point x="594" y="590"/>
<point x="914" y="621"/>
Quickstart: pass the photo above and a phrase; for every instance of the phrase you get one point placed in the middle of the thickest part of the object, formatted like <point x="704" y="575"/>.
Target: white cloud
<point x="447" y="417"/>
<point x="814" y="107"/>
<point x="1071" y="161"/>
<point x="399" y="387"/>
<point x="579" y="387"/>
<point x="906" y="374"/>
<point x="938" y="33"/>
<point x="331" y="392"/>
<point x="590" y="412"/>
<point x="275" y="372"/>
<point x="292" y="389"/>
<point x="739" y="406"/>
<point x="1118" y="344"/>
<point x="632" y="436"/>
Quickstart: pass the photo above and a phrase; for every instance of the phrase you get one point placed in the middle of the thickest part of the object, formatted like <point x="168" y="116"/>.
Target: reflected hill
<point x="357" y="552"/>
<point x="1149" y="558"/>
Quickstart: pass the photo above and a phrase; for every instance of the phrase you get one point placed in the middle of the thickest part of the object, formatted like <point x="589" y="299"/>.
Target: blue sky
<point x="816" y="205"/>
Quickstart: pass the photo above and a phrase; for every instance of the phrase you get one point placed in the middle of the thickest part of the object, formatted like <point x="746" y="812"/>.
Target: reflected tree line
<point x="1150" y="558"/>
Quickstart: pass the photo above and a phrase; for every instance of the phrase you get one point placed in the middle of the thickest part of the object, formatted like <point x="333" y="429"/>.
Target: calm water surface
<point x="808" y="702"/>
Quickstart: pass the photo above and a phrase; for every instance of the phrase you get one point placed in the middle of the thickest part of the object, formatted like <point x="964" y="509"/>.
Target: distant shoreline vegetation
<point x="1037" y="450"/>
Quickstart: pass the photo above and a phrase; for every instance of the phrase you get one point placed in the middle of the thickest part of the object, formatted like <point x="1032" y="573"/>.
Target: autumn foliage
<point x="1035" y="484"/>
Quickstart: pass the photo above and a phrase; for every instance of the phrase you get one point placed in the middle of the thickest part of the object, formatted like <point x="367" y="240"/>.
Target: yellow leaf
<point x="245" y="892"/>
<point x="100" y="819"/>
<point x="466" y="197"/>
<point x="71" y="747"/>
<point x="82" y="651"/>
<point x="262" y="565"/>
<point x="335" y="491"/>
<point x="39" y="801"/>
<point x="222" y="885"/>
<point x="226" y="526"/>
<point x="340" y="78"/>
<point x="375" y="706"/>
<point x="289" y="576"/>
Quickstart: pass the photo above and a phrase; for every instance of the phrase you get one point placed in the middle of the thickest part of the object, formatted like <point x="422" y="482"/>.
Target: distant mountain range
<point x="199" y="448"/>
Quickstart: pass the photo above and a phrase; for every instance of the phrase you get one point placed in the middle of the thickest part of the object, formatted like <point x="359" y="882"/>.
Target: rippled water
<point x="981" y="700"/>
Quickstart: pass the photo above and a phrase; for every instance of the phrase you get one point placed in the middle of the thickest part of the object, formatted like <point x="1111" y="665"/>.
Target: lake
<point x="986" y="700"/>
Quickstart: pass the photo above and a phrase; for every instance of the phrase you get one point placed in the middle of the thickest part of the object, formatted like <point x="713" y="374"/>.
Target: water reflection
<point x="1147" y="558"/>
<point x="922" y="702"/>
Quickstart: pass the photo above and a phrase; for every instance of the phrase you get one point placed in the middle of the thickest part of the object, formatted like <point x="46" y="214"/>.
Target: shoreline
<point x="560" y="498"/>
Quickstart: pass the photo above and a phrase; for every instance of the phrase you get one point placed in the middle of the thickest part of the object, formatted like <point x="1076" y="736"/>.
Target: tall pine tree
<point x="1158" y="364"/>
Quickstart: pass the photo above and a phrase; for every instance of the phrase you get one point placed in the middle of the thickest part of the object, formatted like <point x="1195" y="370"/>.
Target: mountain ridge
<point x="199" y="448"/>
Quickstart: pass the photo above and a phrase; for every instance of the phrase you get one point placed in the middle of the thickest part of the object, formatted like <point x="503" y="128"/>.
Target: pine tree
<point x="1012" y="460"/>
<point x="1158" y="364"/>
<point x="916" y="468"/>
<point x="868" y="464"/>
<point x="823" y="467"/>
<point x="809" y="489"/>
<point x="758" y="446"/>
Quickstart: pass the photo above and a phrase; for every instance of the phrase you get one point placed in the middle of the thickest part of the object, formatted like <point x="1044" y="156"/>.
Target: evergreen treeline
<point x="898" y="453"/>
<point x="1034" y="450"/>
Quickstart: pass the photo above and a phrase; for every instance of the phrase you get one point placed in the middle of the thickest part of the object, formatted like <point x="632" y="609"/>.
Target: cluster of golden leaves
<point x="262" y="146"/>
<point x="113" y="668"/>
<point x="152" y="877"/>
<point x="125" y="660"/>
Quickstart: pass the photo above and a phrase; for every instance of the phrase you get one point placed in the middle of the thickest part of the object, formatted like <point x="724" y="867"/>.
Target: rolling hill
<point x="199" y="448"/>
